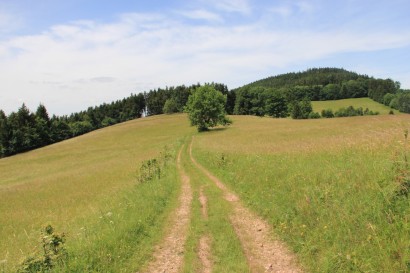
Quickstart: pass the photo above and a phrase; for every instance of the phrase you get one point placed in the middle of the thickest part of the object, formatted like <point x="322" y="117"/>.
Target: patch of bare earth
<point x="264" y="254"/>
<point x="204" y="253"/>
<point x="204" y="248"/>
<point x="203" y="200"/>
<point x="168" y="255"/>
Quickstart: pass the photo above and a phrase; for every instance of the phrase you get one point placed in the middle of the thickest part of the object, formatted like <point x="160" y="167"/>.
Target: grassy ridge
<point x="327" y="186"/>
<point x="335" y="105"/>
<point x="75" y="184"/>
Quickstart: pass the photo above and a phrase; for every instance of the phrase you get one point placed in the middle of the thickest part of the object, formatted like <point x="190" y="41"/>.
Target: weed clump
<point x="402" y="171"/>
<point x="152" y="168"/>
<point x="53" y="254"/>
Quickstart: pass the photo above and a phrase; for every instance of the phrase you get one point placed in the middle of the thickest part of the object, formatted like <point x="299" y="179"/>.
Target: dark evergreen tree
<point x="43" y="126"/>
<point x="4" y="135"/>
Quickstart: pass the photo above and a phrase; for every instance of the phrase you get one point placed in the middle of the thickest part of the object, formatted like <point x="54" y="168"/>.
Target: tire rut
<point x="204" y="247"/>
<point x="263" y="253"/>
<point x="168" y="255"/>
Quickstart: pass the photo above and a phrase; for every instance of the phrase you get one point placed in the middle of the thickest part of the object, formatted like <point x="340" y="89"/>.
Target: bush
<point x="314" y="115"/>
<point x="300" y="109"/>
<point x="328" y="113"/>
<point x="53" y="254"/>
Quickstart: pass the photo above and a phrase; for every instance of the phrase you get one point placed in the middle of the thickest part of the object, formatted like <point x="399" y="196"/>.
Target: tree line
<point x="24" y="130"/>
<point x="280" y="96"/>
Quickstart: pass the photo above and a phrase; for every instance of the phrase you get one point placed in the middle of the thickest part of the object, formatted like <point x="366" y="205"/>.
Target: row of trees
<point x="173" y="99"/>
<point x="24" y="130"/>
<point x="399" y="100"/>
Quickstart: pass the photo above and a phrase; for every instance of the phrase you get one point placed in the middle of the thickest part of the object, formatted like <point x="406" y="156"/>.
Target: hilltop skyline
<point x="69" y="56"/>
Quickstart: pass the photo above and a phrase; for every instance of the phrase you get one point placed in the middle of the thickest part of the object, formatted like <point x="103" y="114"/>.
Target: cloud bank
<point x="71" y="66"/>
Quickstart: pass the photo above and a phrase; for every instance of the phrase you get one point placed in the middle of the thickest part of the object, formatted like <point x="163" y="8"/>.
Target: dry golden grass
<point x="255" y="135"/>
<point x="67" y="182"/>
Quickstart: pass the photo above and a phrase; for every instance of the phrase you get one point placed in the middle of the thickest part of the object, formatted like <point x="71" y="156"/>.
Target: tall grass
<point x="71" y="184"/>
<point x="326" y="186"/>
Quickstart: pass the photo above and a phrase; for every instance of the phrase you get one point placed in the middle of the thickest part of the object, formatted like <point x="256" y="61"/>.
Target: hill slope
<point x="310" y="77"/>
<point x="87" y="187"/>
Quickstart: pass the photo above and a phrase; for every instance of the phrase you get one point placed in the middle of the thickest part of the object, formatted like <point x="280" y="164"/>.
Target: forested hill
<point x="310" y="77"/>
<point x="325" y="84"/>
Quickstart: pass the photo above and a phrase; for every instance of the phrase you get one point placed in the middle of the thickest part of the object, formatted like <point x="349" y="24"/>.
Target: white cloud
<point x="291" y="8"/>
<point x="239" y="6"/>
<point x="201" y="14"/>
<point x="72" y="66"/>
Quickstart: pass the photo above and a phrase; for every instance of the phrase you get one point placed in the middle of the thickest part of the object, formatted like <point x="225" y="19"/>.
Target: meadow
<point x="332" y="189"/>
<point x="335" y="105"/>
<point x="87" y="187"/>
<point x="329" y="187"/>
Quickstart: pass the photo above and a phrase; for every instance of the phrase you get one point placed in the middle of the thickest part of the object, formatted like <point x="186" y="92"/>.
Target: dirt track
<point x="263" y="253"/>
<point x="168" y="256"/>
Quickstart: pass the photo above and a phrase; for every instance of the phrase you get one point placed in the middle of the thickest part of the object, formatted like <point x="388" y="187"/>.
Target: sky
<point x="69" y="55"/>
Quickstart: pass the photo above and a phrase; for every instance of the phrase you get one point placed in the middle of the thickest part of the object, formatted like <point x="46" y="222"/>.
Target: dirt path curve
<point x="168" y="255"/>
<point x="264" y="254"/>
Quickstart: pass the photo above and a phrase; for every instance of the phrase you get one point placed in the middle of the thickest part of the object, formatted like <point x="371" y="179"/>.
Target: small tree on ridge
<point x="206" y="108"/>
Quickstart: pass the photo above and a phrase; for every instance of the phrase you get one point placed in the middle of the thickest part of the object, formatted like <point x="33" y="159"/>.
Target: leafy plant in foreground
<point x="152" y="168"/>
<point x="53" y="254"/>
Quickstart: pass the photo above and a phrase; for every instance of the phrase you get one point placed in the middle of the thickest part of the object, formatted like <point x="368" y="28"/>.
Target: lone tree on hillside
<point x="206" y="108"/>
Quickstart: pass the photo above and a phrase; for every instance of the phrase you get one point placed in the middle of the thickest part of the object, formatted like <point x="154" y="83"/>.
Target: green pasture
<point x="335" y="105"/>
<point x="330" y="188"/>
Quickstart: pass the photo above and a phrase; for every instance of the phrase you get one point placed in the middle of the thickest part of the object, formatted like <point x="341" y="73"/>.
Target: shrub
<point x="152" y="168"/>
<point x="53" y="254"/>
<point x="300" y="109"/>
<point x="314" y="115"/>
<point x="328" y="113"/>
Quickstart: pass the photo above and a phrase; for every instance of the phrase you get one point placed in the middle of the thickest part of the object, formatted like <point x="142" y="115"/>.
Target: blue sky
<point x="73" y="54"/>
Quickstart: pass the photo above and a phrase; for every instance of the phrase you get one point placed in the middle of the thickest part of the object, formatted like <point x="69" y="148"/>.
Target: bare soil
<point x="169" y="254"/>
<point x="203" y="200"/>
<point x="204" y="254"/>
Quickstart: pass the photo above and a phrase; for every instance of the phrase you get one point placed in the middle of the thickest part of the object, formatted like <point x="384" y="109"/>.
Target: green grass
<point x="326" y="186"/>
<point x="226" y="251"/>
<point x="75" y="184"/>
<point x="335" y="105"/>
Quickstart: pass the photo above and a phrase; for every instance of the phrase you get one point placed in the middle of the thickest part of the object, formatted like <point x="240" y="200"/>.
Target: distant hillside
<point x="310" y="77"/>
<point x="263" y="97"/>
